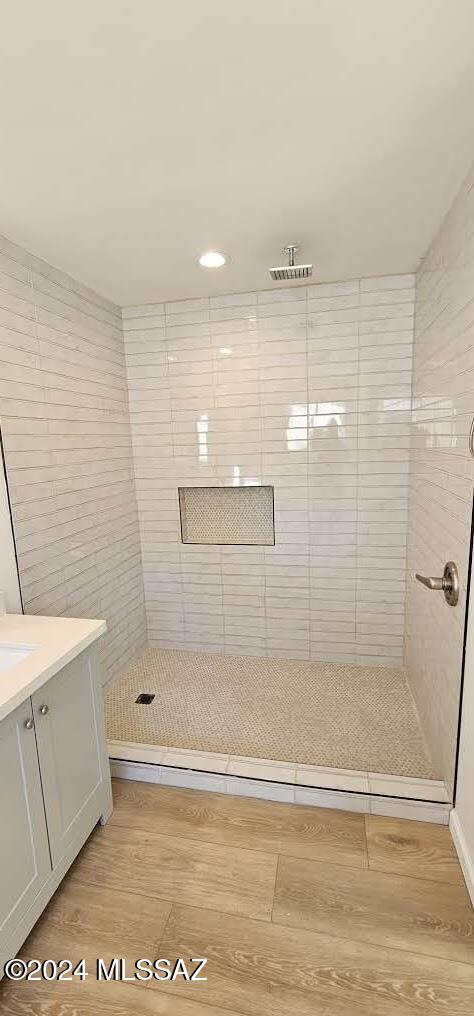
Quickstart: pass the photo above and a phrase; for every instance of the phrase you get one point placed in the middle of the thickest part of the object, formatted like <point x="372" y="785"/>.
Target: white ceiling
<point x="135" y="135"/>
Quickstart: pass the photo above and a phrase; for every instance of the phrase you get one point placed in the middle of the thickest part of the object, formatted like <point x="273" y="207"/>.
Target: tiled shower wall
<point x="307" y="389"/>
<point x="442" y="473"/>
<point x="66" y="433"/>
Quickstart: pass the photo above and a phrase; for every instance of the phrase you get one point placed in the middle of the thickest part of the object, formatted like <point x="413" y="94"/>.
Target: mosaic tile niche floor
<point x="325" y="714"/>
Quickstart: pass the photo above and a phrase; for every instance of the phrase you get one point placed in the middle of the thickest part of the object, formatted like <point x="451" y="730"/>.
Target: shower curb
<point x="222" y="783"/>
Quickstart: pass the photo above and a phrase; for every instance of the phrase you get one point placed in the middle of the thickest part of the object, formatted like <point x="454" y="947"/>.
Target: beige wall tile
<point x="442" y="473"/>
<point x="282" y="387"/>
<point x="66" y="431"/>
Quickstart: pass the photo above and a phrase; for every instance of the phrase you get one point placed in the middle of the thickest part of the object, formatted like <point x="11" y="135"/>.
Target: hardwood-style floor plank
<point x="371" y="906"/>
<point x="320" y="833"/>
<point x="95" y="921"/>
<point x="170" y="868"/>
<point x="93" y="999"/>
<point x="417" y="849"/>
<point x="263" y="969"/>
<point x="185" y="873"/>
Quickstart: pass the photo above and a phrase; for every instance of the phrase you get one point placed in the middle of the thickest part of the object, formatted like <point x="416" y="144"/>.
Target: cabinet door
<point x="70" y="736"/>
<point x="24" y="854"/>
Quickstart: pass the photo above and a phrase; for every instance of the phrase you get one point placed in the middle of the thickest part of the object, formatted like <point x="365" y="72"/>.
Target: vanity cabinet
<point x="69" y="734"/>
<point x="55" y="786"/>
<point x="24" y="851"/>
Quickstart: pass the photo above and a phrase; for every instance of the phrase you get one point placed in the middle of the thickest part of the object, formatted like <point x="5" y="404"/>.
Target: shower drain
<point x="144" y="698"/>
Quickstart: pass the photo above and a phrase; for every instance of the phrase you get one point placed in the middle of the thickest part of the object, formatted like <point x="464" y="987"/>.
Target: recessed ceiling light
<point x="212" y="259"/>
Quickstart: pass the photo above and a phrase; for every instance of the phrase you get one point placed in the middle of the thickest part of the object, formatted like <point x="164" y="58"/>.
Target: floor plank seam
<point x="412" y="951"/>
<point x="366" y="839"/>
<point x="193" y="839"/>
<point x="233" y="846"/>
<point x="274" y="887"/>
<point x="266" y="921"/>
<point x="172" y="907"/>
<point x="417" y="878"/>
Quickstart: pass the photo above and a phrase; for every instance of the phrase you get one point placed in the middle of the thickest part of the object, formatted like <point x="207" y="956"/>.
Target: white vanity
<point x="54" y="770"/>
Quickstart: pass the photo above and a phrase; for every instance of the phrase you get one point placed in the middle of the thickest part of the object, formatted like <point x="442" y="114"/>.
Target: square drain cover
<point x="144" y="698"/>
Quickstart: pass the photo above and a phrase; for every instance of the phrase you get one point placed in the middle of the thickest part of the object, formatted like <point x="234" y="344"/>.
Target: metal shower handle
<point x="431" y="581"/>
<point x="448" y="583"/>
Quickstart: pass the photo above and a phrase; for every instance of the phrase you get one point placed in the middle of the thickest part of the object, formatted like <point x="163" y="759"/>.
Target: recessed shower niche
<point x="227" y="515"/>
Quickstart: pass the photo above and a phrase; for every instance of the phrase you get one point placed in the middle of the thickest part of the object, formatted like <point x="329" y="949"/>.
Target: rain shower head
<point x="291" y="271"/>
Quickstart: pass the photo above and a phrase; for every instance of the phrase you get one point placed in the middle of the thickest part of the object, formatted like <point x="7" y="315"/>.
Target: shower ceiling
<point x="135" y="136"/>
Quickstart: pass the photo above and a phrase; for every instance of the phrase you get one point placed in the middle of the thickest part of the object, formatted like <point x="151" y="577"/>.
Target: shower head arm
<point x="291" y="251"/>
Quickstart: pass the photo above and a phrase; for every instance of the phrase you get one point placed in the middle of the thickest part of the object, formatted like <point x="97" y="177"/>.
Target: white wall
<point x="442" y="474"/>
<point x="307" y="389"/>
<point x="66" y="433"/>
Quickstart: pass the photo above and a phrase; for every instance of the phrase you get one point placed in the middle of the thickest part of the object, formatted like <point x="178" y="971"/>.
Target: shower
<point x="290" y="271"/>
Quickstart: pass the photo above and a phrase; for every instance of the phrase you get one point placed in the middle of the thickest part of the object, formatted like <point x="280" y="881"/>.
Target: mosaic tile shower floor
<point x="326" y="714"/>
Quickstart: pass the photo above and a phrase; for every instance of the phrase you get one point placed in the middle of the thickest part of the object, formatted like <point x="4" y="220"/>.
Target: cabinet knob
<point x="29" y="723"/>
<point x="44" y="709"/>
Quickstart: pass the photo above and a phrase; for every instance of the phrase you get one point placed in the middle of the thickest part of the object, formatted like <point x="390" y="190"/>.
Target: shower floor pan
<point x="303" y="724"/>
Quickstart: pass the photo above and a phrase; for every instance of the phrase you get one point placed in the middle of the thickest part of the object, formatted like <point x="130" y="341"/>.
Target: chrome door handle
<point x="44" y="710"/>
<point x="448" y="583"/>
<point x="29" y="724"/>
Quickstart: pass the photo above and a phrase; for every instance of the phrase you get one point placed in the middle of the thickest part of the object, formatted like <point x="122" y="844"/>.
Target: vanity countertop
<point x="54" y="641"/>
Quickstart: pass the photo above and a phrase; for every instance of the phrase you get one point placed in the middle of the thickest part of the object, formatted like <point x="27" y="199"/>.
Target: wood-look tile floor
<point x="300" y="911"/>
